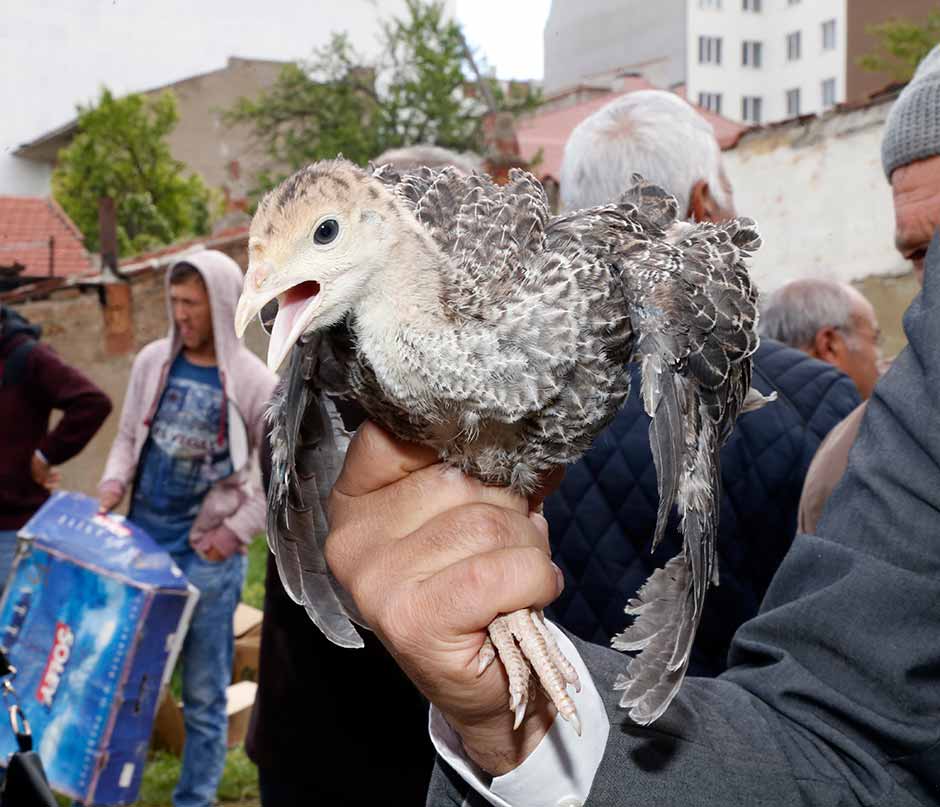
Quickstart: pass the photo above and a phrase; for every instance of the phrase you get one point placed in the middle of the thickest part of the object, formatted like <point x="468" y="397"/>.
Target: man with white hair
<point x="655" y="134"/>
<point x="604" y="513"/>
<point x="829" y="320"/>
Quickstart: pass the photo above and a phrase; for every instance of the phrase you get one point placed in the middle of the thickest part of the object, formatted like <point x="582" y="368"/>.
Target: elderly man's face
<point x="855" y="348"/>
<point x="916" y="189"/>
<point x="860" y="354"/>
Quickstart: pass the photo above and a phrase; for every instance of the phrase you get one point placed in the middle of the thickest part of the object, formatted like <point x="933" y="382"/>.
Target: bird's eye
<point x="327" y="231"/>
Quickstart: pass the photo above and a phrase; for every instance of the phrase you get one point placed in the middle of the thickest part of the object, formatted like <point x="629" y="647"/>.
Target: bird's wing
<point x="694" y="312"/>
<point x="308" y="444"/>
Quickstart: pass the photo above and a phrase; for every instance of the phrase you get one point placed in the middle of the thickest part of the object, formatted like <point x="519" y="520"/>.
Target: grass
<point x="253" y="592"/>
<point x="239" y="781"/>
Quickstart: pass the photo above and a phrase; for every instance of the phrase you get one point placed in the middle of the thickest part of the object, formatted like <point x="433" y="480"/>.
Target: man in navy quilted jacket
<point x="602" y="517"/>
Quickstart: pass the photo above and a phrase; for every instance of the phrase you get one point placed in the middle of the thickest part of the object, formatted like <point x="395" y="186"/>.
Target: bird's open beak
<point x="297" y="306"/>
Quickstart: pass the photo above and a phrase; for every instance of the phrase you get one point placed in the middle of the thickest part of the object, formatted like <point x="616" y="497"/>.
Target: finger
<point x="401" y="508"/>
<point x="458" y="534"/>
<point x="466" y="596"/>
<point x="376" y="459"/>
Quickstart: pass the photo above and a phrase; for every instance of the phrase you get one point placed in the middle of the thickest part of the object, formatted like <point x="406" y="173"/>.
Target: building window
<point x="751" y="54"/>
<point x="709" y="50"/>
<point x="829" y="93"/>
<point x="710" y="101"/>
<point x="792" y="2"/>
<point x="793" y="102"/>
<point x="794" y="46"/>
<point x="751" y="108"/>
<point x="751" y="5"/>
<point x="709" y="4"/>
<point x="829" y="35"/>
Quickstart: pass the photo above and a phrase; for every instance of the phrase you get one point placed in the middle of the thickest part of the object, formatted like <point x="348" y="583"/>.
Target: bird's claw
<point x="523" y="643"/>
<point x="485" y="656"/>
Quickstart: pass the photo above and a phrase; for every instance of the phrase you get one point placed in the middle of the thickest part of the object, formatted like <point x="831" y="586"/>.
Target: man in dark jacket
<point x="33" y="382"/>
<point x="603" y="515"/>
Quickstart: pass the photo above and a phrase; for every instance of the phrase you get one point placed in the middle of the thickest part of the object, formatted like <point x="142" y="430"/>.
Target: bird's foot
<point x="522" y="640"/>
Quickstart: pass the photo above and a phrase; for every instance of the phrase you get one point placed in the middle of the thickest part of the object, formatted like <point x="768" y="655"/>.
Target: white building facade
<point x="759" y="61"/>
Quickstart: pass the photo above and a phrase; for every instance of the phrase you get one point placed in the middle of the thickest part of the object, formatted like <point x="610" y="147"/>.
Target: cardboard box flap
<point x="246" y="619"/>
<point x="70" y="524"/>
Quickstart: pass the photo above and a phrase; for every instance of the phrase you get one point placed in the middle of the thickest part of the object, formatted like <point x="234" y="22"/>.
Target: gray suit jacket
<point x="832" y="696"/>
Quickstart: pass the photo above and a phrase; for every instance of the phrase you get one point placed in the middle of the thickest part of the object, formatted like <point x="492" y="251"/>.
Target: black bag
<point x="25" y="784"/>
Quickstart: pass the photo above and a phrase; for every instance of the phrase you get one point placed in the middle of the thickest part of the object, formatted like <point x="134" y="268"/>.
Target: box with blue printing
<point x="93" y="617"/>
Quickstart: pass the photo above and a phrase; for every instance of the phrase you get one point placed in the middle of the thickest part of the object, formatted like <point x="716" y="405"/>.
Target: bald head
<point x="411" y="157"/>
<point x="829" y="320"/>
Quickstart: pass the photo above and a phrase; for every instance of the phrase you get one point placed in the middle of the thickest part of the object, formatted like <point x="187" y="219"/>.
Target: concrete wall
<point x="224" y="156"/>
<point x="595" y="40"/>
<point x="73" y="325"/>
<point x="824" y="207"/>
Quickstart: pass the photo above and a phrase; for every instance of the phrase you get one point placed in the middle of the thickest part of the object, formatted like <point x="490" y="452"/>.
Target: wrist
<point x="495" y="746"/>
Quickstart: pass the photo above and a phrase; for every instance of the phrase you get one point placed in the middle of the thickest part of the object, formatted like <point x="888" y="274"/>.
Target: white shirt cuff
<point x="561" y="769"/>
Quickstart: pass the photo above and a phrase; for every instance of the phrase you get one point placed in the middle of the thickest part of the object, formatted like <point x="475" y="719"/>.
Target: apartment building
<point x="759" y="61"/>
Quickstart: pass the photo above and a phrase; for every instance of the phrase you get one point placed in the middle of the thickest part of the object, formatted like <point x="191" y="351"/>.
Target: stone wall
<point x="818" y="192"/>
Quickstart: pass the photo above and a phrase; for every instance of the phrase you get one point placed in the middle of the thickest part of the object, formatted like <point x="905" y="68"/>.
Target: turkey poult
<point x="462" y="315"/>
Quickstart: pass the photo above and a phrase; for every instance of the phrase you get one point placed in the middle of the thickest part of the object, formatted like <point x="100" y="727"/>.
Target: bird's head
<point x="315" y="243"/>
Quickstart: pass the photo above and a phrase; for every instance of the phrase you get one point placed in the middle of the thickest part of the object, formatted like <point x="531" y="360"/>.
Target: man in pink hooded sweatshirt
<point x="187" y="452"/>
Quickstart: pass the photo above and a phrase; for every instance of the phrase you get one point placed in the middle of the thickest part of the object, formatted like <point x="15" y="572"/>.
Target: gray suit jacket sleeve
<point x="833" y="693"/>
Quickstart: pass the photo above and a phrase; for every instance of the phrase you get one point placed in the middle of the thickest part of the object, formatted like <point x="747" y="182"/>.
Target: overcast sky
<point x="508" y="32"/>
<point x="56" y="53"/>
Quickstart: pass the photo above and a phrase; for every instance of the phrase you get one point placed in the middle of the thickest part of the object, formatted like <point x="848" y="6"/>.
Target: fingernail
<point x="540" y="523"/>
<point x="559" y="578"/>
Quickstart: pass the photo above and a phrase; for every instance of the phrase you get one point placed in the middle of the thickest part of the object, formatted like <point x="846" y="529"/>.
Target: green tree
<point x="314" y="110"/>
<point x="425" y="100"/>
<point x="901" y="46"/>
<point x="416" y="91"/>
<point x="121" y="151"/>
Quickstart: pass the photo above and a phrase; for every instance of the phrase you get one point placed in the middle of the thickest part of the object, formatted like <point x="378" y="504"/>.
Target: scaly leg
<point x="521" y="639"/>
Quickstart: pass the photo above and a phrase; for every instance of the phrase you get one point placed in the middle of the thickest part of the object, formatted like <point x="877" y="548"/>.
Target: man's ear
<point x="702" y="205"/>
<point x="827" y="345"/>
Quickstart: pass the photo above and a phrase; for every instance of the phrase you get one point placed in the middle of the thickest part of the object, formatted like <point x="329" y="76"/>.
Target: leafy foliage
<point x="902" y="44"/>
<point x="253" y="592"/>
<point x="416" y="91"/>
<point x="425" y="100"/>
<point x="121" y="151"/>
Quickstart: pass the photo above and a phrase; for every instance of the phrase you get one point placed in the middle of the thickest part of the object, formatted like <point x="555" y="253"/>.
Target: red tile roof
<point x="549" y="131"/>
<point x="26" y="225"/>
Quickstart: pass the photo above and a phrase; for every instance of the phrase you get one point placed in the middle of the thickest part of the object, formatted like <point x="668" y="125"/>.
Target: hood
<point x="223" y="279"/>
<point x="13" y="324"/>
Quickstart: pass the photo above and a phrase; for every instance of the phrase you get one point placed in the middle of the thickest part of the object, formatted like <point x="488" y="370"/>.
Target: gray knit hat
<point x="912" y="131"/>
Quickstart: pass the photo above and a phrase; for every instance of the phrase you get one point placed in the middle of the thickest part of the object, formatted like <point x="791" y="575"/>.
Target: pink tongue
<point x="291" y="305"/>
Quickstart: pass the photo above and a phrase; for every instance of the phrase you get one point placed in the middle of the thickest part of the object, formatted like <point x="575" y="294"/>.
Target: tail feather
<point x="666" y="623"/>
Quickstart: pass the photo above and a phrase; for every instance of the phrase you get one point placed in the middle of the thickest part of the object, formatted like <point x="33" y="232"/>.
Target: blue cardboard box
<point x="93" y="618"/>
